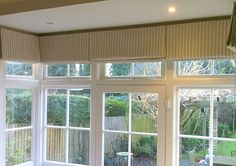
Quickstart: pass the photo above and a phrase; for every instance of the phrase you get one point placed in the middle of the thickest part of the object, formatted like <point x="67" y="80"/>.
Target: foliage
<point x="79" y="109"/>
<point x="19" y="69"/>
<point x="80" y="69"/>
<point x="224" y="66"/>
<point x="118" y="69"/>
<point x="190" y="144"/>
<point x="145" y="147"/>
<point x="206" y="67"/>
<point x="18" y="107"/>
<point x="224" y="130"/>
<point x="18" y="155"/>
<point x="75" y="70"/>
<point x="57" y="70"/>
<point x="116" y="107"/>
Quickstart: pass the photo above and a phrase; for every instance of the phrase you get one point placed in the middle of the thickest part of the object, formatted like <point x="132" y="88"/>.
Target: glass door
<point x="132" y="125"/>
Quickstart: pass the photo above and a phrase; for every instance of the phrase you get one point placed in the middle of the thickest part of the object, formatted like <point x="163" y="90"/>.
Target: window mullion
<point x="212" y="67"/>
<point x="132" y="70"/>
<point x="68" y="70"/>
<point x="211" y="127"/>
<point x="130" y="128"/>
<point x="67" y="125"/>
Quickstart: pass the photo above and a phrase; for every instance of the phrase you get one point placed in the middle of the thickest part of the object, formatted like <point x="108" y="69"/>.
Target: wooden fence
<point x="18" y="147"/>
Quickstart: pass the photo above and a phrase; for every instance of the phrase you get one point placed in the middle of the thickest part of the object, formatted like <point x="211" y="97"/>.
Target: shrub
<point x="116" y="107"/>
<point x="145" y="147"/>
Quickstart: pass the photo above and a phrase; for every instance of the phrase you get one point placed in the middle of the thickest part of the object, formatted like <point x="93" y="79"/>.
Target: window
<point x="207" y="126"/>
<point x="206" y="67"/>
<point x="68" y="70"/>
<point x="147" y="69"/>
<point x="68" y="126"/>
<point x="131" y="129"/>
<point x="19" y="69"/>
<point x="18" y="130"/>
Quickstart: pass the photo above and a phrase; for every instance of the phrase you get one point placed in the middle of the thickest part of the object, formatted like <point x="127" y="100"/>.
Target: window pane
<point x="18" y="108"/>
<point x="19" y="69"/>
<point x="194" y="152"/>
<point x="77" y="70"/>
<point x="225" y="153"/>
<point x="118" y="69"/>
<point x="147" y="69"/>
<point x="80" y="108"/>
<point x="226" y="66"/>
<point x="116" y="111"/>
<point x="194" y="111"/>
<point x="144" y="150"/>
<point x="68" y="70"/>
<point x="57" y="70"/>
<point x="115" y="149"/>
<point x="18" y="147"/>
<point x="201" y="67"/>
<point x="224" y="121"/>
<point x="56" y="145"/>
<point x="79" y="147"/>
<point x="144" y="112"/>
<point x="56" y="107"/>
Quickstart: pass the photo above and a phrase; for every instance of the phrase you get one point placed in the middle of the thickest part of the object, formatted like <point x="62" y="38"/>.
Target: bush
<point x="145" y="147"/>
<point x="116" y="107"/>
<point x="190" y="144"/>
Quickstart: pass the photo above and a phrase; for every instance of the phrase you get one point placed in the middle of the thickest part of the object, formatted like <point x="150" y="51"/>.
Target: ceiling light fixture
<point x="50" y="23"/>
<point x="172" y="9"/>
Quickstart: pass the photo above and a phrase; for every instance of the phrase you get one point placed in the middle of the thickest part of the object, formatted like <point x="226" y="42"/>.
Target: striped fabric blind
<point x="128" y="44"/>
<point x="200" y="40"/>
<point x="20" y="47"/>
<point x="65" y="48"/>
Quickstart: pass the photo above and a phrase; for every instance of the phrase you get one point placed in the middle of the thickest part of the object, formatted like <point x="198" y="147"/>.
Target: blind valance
<point x="200" y="40"/>
<point x="189" y="41"/>
<point x="128" y="44"/>
<point x="68" y="48"/>
<point x="18" y="46"/>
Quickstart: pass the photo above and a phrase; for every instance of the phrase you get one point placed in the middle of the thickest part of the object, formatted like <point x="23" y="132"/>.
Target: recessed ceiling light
<point x="49" y="23"/>
<point x="172" y="9"/>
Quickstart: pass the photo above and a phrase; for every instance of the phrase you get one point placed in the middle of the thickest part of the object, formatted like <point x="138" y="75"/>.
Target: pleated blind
<point x="128" y="44"/>
<point x="20" y="47"/>
<point x="68" y="48"/>
<point x="200" y="40"/>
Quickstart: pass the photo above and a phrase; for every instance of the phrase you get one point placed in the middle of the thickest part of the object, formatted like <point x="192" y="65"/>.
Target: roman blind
<point x="199" y="40"/>
<point x="146" y="43"/>
<point x="67" y="48"/>
<point x="18" y="46"/>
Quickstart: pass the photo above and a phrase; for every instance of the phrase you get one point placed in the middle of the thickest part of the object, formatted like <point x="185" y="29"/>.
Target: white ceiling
<point x="112" y="13"/>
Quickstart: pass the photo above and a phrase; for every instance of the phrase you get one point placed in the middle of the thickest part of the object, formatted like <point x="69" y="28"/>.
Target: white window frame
<point x="211" y="75"/>
<point x="17" y="77"/>
<point x="130" y="89"/>
<point x="68" y="73"/>
<point x="103" y="76"/>
<point x="192" y="82"/>
<point x="67" y="87"/>
<point x="21" y="82"/>
<point x="39" y="82"/>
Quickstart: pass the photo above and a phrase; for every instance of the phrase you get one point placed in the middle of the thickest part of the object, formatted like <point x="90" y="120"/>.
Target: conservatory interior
<point x="117" y="83"/>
